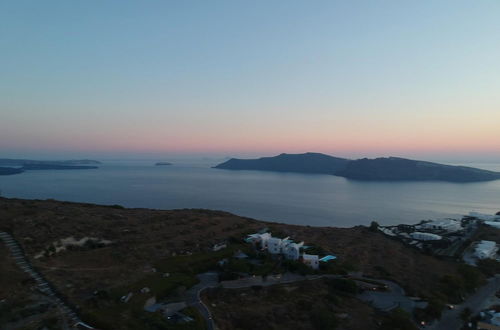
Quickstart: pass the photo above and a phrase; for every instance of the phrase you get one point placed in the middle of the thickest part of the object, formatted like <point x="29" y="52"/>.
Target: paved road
<point x="210" y="280"/>
<point x="450" y="320"/>
<point x="207" y="280"/>
<point x="394" y="297"/>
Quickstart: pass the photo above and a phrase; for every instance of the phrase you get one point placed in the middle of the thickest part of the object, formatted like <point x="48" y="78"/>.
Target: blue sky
<point x="351" y="78"/>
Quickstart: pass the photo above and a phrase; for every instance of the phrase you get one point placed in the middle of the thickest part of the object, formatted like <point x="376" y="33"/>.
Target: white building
<point x="485" y="217"/>
<point x="261" y="239"/>
<point x="274" y="245"/>
<point x="289" y="249"/>
<point x="495" y="224"/>
<point x="449" y="225"/>
<point x="495" y="319"/>
<point x="292" y="250"/>
<point x="485" y="249"/>
<point x="419" y="236"/>
<point x="312" y="260"/>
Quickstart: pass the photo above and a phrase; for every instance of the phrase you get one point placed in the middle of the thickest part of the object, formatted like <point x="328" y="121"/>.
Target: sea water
<point x="305" y="199"/>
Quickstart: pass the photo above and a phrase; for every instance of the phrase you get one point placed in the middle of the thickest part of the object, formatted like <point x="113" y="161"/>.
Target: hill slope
<point x="22" y="162"/>
<point x="301" y="163"/>
<point x="394" y="169"/>
<point x="57" y="167"/>
<point x="181" y="242"/>
<point x="10" y="170"/>
<point x="379" y="169"/>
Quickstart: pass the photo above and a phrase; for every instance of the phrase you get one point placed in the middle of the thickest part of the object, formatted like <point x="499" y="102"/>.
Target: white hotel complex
<point x="286" y="247"/>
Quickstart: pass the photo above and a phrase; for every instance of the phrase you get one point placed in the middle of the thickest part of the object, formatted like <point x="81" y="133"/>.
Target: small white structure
<point x="387" y="231"/>
<point x="448" y="225"/>
<point x="485" y="249"/>
<point x="495" y="319"/>
<point x="419" y="236"/>
<point x="312" y="260"/>
<point x="495" y="224"/>
<point x="126" y="298"/>
<point x="485" y="217"/>
<point x="240" y="255"/>
<point x="218" y="247"/>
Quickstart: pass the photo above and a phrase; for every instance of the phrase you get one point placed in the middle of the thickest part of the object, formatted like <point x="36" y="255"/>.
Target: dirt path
<point x="42" y="284"/>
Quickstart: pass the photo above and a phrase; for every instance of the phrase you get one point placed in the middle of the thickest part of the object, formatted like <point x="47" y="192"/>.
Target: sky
<point x="417" y="79"/>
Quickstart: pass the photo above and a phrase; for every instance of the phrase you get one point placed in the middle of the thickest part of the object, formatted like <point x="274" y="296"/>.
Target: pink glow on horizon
<point x="378" y="145"/>
<point x="360" y="136"/>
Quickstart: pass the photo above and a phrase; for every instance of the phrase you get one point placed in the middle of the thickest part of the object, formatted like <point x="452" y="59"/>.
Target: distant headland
<point x="17" y="166"/>
<point x="10" y="170"/>
<point x="378" y="169"/>
<point x="163" y="164"/>
<point x="300" y="163"/>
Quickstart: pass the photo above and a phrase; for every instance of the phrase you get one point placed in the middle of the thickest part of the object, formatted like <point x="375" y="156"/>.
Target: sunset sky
<point x="350" y="78"/>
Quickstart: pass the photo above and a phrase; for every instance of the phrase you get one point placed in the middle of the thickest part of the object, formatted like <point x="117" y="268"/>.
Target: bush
<point x="466" y="314"/>
<point x="349" y="266"/>
<point x="374" y="226"/>
<point x="227" y="276"/>
<point x="489" y="267"/>
<point x="314" y="249"/>
<point x="434" y="309"/>
<point x="239" y="266"/>
<point x="323" y="319"/>
<point x="332" y="267"/>
<point x="50" y="323"/>
<point x="452" y="287"/>
<point x="304" y="305"/>
<point x="333" y="298"/>
<point x="398" y="319"/>
<point x="343" y="285"/>
<point x="384" y="272"/>
<point x="471" y="277"/>
<point x="297" y="267"/>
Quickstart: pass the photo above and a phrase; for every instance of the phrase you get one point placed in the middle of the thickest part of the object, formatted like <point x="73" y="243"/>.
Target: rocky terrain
<point x="96" y="254"/>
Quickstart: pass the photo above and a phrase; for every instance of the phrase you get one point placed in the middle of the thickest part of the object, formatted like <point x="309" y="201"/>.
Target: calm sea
<point x="316" y="200"/>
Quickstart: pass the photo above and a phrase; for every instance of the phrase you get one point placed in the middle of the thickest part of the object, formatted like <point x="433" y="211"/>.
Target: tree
<point x="323" y="319"/>
<point x="398" y="319"/>
<point x="471" y="276"/>
<point x="434" y="309"/>
<point x="374" y="226"/>
<point x="453" y="287"/>
<point x="489" y="267"/>
<point x="343" y="285"/>
<point x="465" y="314"/>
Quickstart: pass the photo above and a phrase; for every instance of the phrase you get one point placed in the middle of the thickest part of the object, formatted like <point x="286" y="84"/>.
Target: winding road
<point x="450" y="319"/>
<point x="393" y="297"/>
